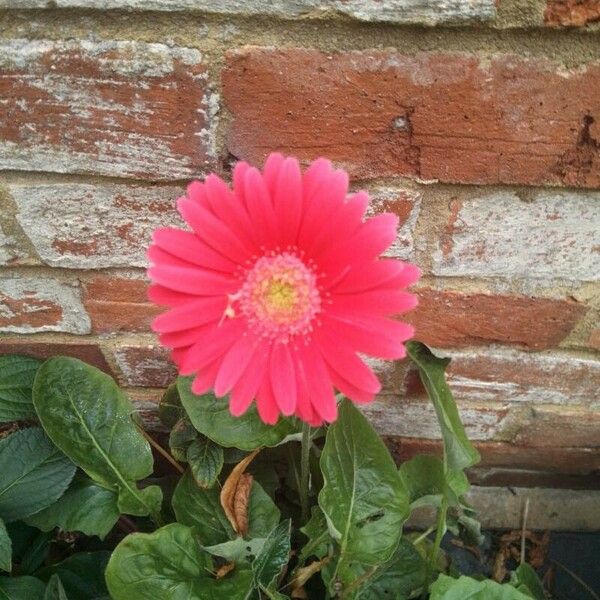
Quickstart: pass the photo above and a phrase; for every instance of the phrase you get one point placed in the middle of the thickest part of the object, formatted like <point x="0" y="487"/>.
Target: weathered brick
<point x="406" y="204"/>
<point x="452" y="117"/>
<point x="86" y="226"/>
<point x="572" y="13"/>
<point x="515" y="377"/>
<point x="112" y="108"/>
<point x="555" y="235"/>
<point x="89" y="353"/>
<point x="118" y="304"/>
<point x="145" y="366"/>
<point x="428" y="12"/>
<point x="594" y="339"/>
<point x="449" y="318"/>
<point x="502" y="455"/>
<point x="559" y="426"/>
<point x="35" y="304"/>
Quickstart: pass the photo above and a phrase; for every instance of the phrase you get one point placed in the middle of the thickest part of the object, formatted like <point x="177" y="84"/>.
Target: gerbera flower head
<point x="279" y="289"/>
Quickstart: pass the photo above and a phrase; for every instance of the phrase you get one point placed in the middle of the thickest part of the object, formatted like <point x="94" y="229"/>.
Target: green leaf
<point x="206" y="460"/>
<point x="55" y="589"/>
<point x="263" y="514"/>
<point x="169" y="407"/>
<point x="21" y="588"/>
<point x="465" y="588"/>
<point x="36" y="553"/>
<point x="85" y="507"/>
<point x="273" y="557"/>
<point x="363" y="497"/>
<point x="181" y="436"/>
<point x="526" y="580"/>
<point x="424" y="478"/>
<point x="459" y="451"/>
<point x="89" y="418"/>
<point x="82" y="575"/>
<point x="5" y="549"/>
<point x="34" y="473"/>
<point x="211" y="417"/>
<point x="201" y="509"/>
<point x="16" y="380"/>
<point x="318" y="535"/>
<point x="238" y="550"/>
<point x="169" y="564"/>
<point x="399" y="577"/>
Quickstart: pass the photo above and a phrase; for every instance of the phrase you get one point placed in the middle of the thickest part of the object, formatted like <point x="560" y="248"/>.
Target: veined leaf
<point x="34" y="473"/>
<point x="460" y="453"/>
<point x="465" y="588"/>
<point x="16" y="381"/>
<point x="205" y="459"/>
<point x="211" y="417"/>
<point x="363" y="497"/>
<point x="89" y="418"/>
<point x="21" y="588"/>
<point x="273" y="557"/>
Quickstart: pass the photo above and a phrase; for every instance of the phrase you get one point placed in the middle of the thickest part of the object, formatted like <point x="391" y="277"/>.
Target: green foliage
<point x="88" y="417"/>
<point x="22" y="588"/>
<point x="16" y="381"/>
<point x="211" y="417"/>
<point x="273" y="557"/>
<point x="55" y="589"/>
<point x="465" y="588"/>
<point x="85" y="506"/>
<point x="526" y="580"/>
<point x="206" y="460"/>
<point x="34" y="473"/>
<point x="5" y="549"/>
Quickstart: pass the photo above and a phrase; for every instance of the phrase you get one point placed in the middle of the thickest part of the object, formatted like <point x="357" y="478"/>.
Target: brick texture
<point x="117" y="304"/>
<point x="473" y="319"/>
<point x="555" y="235"/>
<point x="31" y="305"/>
<point x="86" y="226"/>
<point x="572" y="13"/>
<point x="450" y="117"/>
<point x="109" y="108"/>
<point x="145" y="366"/>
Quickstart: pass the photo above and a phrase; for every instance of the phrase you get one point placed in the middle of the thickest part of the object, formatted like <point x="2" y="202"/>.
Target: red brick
<point x="447" y="318"/>
<point x="572" y="13"/>
<point x="594" y="339"/>
<point x="516" y="377"/>
<point x="118" y="304"/>
<point x="451" y="117"/>
<point x="113" y="108"/>
<point x="145" y="366"/>
<point x="89" y="353"/>
<point x="502" y="455"/>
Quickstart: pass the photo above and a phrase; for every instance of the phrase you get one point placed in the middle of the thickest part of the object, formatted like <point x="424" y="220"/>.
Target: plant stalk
<point x="435" y="550"/>
<point x="305" y="470"/>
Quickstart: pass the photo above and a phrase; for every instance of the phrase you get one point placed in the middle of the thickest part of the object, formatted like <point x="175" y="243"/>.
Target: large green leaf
<point x="205" y="459"/>
<point x="263" y="514"/>
<point x="34" y="473"/>
<point x="5" y="549"/>
<point x="82" y="575"/>
<point x="16" y="380"/>
<point x="211" y="417"/>
<point x="238" y="550"/>
<point x="465" y="588"/>
<point x="460" y="453"/>
<point x="89" y="418"/>
<point x="318" y="535"/>
<point x="21" y="588"/>
<point x="85" y="506"/>
<point x="426" y="482"/>
<point x="363" y="497"/>
<point x="526" y="580"/>
<point x="55" y="589"/>
<point x="273" y="557"/>
<point x="169" y="564"/>
<point x="401" y="575"/>
<point x="201" y="509"/>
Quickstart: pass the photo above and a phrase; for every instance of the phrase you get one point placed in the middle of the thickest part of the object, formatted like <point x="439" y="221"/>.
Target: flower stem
<point x="440" y="530"/>
<point x="305" y="470"/>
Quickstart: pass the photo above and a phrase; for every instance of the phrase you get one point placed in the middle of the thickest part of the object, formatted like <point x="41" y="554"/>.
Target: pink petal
<point x="265" y="403"/>
<point x="271" y="170"/>
<point x="189" y="247"/>
<point x="186" y="337"/>
<point x="384" y="301"/>
<point x="204" y="381"/>
<point x="234" y="363"/>
<point x="317" y="173"/>
<point x="239" y="174"/>
<point x="349" y="391"/>
<point x="367" y="275"/>
<point x="340" y="357"/>
<point x="196" y="280"/>
<point x="287" y="201"/>
<point x="260" y="207"/>
<point x="192" y="314"/>
<point x="158" y="256"/>
<point x="213" y="345"/>
<point x="283" y="378"/>
<point x="167" y="297"/>
<point x="318" y="383"/>
<point x="246" y="388"/>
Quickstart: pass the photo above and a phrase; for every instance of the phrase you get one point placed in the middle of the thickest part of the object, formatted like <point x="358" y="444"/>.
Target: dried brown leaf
<point x="222" y="571"/>
<point x="303" y="574"/>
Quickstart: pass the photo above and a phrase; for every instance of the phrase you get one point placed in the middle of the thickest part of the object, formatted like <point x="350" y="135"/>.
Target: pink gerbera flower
<point x="279" y="288"/>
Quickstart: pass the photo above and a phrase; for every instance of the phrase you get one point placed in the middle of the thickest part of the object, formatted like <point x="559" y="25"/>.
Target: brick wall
<point x="476" y="121"/>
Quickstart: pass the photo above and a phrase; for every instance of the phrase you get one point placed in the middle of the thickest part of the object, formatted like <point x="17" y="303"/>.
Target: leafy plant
<point x="250" y="512"/>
